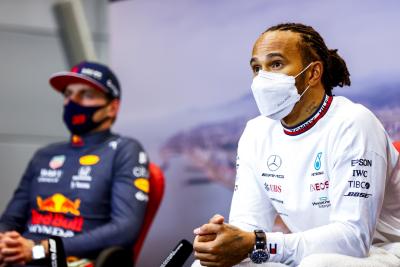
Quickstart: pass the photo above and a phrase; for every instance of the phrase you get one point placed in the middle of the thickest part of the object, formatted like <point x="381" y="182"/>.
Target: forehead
<point x="81" y="87"/>
<point x="286" y="43"/>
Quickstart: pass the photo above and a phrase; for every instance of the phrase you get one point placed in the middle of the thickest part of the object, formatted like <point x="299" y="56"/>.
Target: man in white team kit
<point x="321" y="162"/>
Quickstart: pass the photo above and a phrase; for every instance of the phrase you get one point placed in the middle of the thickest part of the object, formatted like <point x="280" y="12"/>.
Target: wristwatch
<point x="259" y="254"/>
<point x="38" y="252"/>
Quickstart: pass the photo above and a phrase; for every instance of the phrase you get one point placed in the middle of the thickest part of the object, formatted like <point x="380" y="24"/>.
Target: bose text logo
<point x="358" y="194"/>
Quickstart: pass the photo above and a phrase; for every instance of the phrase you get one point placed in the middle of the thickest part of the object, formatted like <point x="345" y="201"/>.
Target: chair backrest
<point x="397" y="145"/>
<point x="156" y="193"/>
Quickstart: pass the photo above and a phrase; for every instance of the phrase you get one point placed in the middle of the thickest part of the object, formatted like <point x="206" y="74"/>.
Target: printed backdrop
<point x="184" y="69"/>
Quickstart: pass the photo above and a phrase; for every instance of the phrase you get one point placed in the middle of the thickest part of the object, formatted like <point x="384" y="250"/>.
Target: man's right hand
<point x="217" y="219"/>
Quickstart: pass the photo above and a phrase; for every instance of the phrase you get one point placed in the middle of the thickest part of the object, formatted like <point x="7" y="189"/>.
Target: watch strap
<point x="261" y="239"/>
<point x="260" y="253"/>
<point x="38" y="255"/>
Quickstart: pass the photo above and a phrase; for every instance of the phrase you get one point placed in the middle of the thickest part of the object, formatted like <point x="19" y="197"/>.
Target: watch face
<point x="259" y="256"/>
<point x="38" y="252"/>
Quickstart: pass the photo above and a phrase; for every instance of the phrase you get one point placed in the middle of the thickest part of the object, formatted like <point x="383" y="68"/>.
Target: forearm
<point x="92" y="242"/>
<point x="338" y="237"/>
<point x="7" y="226"/>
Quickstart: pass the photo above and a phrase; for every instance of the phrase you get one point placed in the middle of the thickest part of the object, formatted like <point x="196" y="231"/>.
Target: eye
<point x="276" y="64"/>
<point x="67" y="93"/>
<point x="256" y="69"/>
<point x="88" y="94"/>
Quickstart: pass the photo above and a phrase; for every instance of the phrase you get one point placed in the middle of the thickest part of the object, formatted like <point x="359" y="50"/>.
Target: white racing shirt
<point x="327" y="178"/>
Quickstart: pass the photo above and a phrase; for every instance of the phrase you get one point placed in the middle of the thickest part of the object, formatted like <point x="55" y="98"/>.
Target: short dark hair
<point x="313" y="47"/>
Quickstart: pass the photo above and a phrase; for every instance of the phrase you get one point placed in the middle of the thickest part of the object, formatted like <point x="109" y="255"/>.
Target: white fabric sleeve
<point x="357" y="169"/>
<point x="247" y="211"/>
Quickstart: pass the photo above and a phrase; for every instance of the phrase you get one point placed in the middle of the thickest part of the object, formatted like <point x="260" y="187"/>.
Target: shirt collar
<point x="90" y="139"/>
<point x="310" y="121"/>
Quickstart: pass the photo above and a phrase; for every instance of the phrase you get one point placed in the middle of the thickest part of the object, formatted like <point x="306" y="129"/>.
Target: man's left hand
<point x="1" y="247"/>
<point x="221" y="244"/>
<point x="16" y="249"/>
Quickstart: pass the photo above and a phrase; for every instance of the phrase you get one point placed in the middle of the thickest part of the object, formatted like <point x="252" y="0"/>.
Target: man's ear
<point x="315" y="75"/>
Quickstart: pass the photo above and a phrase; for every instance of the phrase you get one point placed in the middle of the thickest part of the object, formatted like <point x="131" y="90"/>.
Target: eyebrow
<point x="268" y="56"/>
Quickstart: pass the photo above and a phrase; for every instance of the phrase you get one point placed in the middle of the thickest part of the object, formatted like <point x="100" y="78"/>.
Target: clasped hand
<point x="218" y="244"/>
<point x="14" y="249"/>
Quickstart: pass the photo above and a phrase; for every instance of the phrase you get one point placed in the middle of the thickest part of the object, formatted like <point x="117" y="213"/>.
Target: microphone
<point x="179" y="255"/>
<point x="57" y="253"/>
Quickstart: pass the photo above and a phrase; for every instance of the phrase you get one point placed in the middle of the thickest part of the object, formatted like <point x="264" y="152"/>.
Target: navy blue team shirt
<point x="92" y="192"/>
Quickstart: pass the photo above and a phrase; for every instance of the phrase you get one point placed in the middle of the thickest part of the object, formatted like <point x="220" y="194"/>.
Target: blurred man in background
<point x="90" y="191"/>
<point x="321" y="162"/>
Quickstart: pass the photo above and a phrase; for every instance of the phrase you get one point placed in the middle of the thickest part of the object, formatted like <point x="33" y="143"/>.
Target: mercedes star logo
<point x="274" y="162"/>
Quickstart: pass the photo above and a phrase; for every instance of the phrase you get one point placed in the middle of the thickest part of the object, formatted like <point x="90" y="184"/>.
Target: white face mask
<point x="276" y="93"/>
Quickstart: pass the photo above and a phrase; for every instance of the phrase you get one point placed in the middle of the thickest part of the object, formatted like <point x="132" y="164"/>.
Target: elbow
<point x="359" y="242"/>
<point x="127" y="233"/>
<point x="364" y="244"/>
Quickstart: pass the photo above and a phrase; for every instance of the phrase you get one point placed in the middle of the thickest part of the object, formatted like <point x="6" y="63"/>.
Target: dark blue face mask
<point x="79" y="119"/>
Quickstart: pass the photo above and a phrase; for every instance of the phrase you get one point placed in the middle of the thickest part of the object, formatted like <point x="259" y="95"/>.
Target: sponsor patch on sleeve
<point x="142" y="184"/>
<point x="142" y="157"/>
